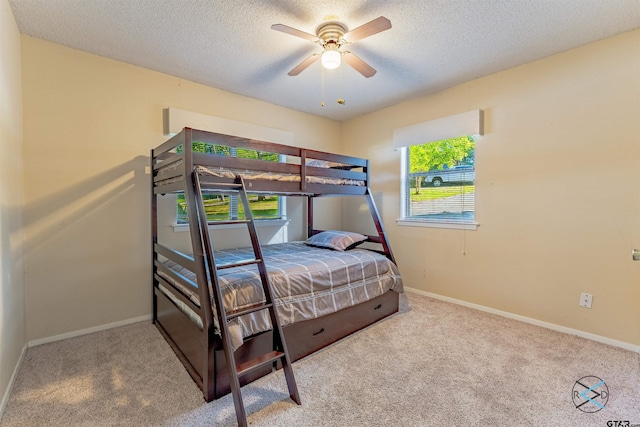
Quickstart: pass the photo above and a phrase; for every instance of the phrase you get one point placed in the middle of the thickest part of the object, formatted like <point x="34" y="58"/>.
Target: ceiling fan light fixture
<point x="331" y="56"/>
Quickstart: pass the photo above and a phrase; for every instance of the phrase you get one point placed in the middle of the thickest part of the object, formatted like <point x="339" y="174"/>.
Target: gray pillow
<point x="337" y="240"/>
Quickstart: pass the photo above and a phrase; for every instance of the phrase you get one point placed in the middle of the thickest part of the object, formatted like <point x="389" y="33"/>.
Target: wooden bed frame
<point x="200" y="348"/>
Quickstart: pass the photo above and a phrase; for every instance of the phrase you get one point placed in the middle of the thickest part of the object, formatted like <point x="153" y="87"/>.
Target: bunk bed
<point x="349" y="289"/>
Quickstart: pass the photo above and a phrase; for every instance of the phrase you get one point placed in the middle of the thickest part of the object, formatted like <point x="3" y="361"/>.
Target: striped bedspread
<point x="307" y="282"/>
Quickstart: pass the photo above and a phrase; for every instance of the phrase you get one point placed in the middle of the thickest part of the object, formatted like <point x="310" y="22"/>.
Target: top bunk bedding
<point x="265" y="167"/>
<point x="250" y="175"/>
<point x="307" y="282"/>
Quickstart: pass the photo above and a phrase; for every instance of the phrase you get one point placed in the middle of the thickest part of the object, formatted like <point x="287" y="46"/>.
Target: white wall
<point x="12" y="308"/>
<point x="90" y="124"/>
<point x="557" y="190"/>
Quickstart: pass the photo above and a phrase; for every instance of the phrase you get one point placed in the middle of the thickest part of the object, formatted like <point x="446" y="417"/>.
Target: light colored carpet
<point x="432" y="364"/>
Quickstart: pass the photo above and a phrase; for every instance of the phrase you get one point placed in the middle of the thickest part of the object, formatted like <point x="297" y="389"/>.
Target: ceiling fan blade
<point x="359" y="65"/>
<point x="370" y="28"/>
<point x="304" y="64"/>
<point x="294" y="32"/>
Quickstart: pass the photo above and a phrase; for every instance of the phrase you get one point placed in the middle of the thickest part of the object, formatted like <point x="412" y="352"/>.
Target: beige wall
<point x="557" y="190"/>
<point x="89" y="125"/>
<point x="557" y="186"/>
<point x="12" y="311"/>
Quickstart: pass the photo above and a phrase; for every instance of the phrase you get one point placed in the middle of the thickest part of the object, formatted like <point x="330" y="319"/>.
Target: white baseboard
<point x="552" y="326"/>
<point x="7" y="392"/>
<point x="33" y="343"/>
<point x="73" y="334"/>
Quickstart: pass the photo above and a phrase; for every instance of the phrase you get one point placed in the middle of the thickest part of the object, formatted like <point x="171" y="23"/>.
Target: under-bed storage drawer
<point x="303" y="338"/>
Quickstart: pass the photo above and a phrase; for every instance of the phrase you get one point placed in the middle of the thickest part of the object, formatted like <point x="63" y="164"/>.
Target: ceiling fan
<point x="332" y="36"/>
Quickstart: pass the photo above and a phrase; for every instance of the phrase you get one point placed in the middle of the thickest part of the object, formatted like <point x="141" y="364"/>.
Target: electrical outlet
<point x="585" y="300"/>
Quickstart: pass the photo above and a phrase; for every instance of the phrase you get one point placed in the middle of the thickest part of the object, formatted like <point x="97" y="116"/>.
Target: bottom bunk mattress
<point x="307" y="283"/>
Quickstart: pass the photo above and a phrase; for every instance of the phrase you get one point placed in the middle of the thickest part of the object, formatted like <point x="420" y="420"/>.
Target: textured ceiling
<point x="433" y="44"/>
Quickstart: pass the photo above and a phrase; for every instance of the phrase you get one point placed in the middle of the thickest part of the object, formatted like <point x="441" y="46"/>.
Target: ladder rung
<point x="247" y="310"/>
<point x="259" y="361"/>
<point x="231" y="221"/>
<point x="212" y="182"/>
<point x="239" y="264"/>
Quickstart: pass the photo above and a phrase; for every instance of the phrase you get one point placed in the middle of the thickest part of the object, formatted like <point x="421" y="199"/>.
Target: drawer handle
<point x="377" y="306"/>
<point x="319" y="332"/>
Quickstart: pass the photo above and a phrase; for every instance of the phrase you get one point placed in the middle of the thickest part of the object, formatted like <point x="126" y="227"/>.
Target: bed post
<point x="309" y="216"/>
<point x="154" y="241"/>
<point x="303" y="169"/>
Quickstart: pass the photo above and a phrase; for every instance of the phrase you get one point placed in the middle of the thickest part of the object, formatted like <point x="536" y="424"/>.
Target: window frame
<point x="405" y="220"/>
<point x="452" y="126"/>
<point x="281" y="220"/>
<point x="282" y="210"/>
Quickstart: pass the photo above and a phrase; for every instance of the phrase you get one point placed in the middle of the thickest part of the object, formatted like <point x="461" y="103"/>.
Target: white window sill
<point x="456" y="225"/>
<point x="179" y="228"/>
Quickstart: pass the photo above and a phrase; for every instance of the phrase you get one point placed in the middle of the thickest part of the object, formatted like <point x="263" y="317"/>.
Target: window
<point x="224" y="207"/>
<point x="439" y="181"/>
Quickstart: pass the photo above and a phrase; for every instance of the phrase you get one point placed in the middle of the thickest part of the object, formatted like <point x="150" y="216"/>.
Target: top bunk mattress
<point x="221" y="172"/>
<point x="307" y="283"/>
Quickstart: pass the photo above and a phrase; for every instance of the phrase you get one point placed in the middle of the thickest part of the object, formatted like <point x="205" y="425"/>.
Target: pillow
<point x="337" y="240"/>
<point x="326" y="164"/>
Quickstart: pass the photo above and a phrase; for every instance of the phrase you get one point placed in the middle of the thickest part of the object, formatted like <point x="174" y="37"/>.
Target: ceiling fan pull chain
<point x="340" y="100"/>
<point x="322" y="78"/>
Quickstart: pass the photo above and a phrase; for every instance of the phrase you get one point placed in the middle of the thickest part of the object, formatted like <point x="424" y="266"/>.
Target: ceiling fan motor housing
<point x="331" y="32"/>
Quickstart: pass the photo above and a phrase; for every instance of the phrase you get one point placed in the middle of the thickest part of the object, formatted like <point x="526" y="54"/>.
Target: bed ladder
<point x="279" y="352"/>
